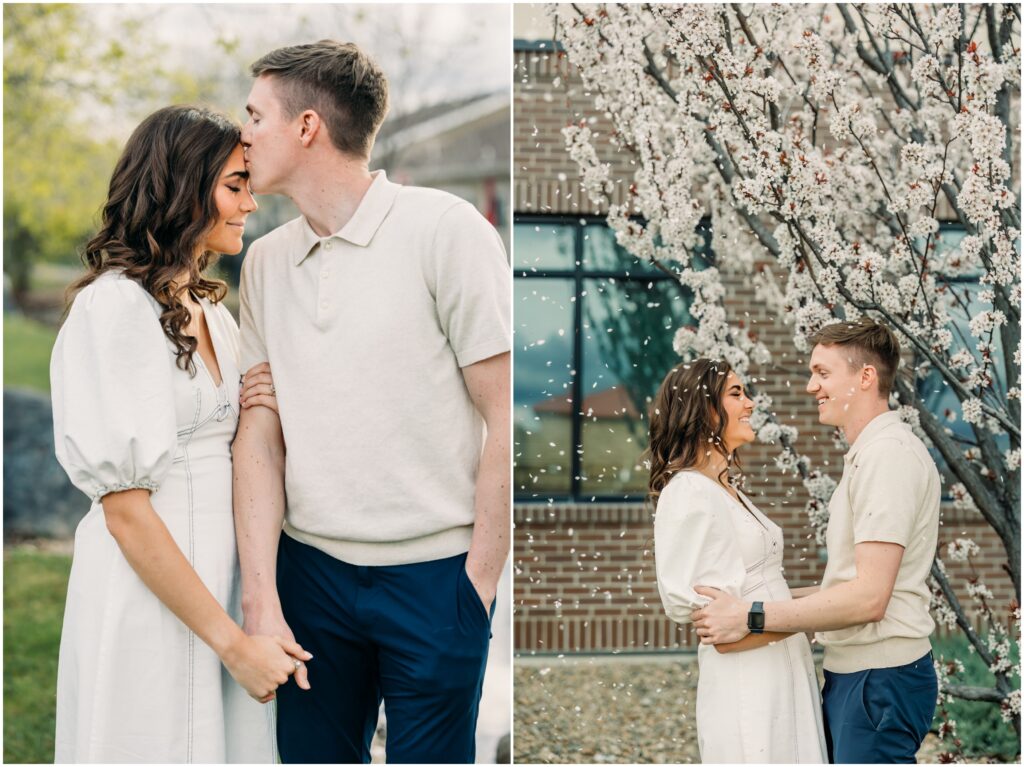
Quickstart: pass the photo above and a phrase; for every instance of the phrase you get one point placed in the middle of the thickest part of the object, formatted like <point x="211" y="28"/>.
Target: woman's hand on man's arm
<point x="258" y="388"/>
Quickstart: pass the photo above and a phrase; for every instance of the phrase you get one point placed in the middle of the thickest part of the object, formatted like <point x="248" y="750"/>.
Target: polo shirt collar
<point x="875" y="426"/>
<point x="360" y="229"/>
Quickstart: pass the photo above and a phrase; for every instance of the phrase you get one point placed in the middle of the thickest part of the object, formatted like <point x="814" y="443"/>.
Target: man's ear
<point x="309" y="127"/>
<point x="868" y="377"/>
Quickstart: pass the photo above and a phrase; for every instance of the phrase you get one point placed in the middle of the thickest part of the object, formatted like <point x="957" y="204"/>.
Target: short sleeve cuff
<point x="142" y="484"/>
<point x="880" y="536"/>
<point x="482" y="351"/>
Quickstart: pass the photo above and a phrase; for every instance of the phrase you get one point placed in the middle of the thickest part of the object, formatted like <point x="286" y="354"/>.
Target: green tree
<point x="53" y="171"/>
<point x="72" y="88"/>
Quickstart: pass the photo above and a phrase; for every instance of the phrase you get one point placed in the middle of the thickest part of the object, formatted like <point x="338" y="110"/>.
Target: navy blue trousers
<point x="879" y="716"/>
<point x="415" y="635"/>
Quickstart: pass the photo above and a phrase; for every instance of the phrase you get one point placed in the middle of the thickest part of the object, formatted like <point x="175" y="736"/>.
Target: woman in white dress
<point x="757" y="699"/>
<point x="144" y="376"/>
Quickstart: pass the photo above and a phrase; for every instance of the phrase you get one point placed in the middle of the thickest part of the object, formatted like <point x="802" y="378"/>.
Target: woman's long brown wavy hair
<point x="688" y="420"/>
<point x="159" y="208"/>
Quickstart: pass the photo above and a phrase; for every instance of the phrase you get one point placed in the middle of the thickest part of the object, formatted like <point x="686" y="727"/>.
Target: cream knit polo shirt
<point x="889" y="493"/>
<point x="366" y="332"/>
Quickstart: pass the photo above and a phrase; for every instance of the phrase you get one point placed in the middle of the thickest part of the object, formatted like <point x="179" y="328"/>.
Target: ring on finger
<point x="298" y="664"/>
<point x="273" y="393"/>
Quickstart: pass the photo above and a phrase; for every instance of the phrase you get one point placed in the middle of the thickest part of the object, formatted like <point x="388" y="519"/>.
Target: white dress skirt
<point x="756" y="706"/>
<point x="134" y="684"/>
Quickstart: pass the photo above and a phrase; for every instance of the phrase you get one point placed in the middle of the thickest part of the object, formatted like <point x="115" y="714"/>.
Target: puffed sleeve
<point x="110" y="380"/>
<point x="693" y="546"/>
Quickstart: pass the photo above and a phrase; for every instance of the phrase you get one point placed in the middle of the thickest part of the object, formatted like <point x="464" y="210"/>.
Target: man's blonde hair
<point x="869" y="343"/>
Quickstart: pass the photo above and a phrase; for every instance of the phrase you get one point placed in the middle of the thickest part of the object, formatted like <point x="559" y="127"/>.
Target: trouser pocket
<point x="898" y="705"/>
<point x="470" y="603"/>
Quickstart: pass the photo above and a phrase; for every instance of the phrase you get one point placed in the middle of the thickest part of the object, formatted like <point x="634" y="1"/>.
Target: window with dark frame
<point x="935" y="393"/>
<point x="593" y="325"/>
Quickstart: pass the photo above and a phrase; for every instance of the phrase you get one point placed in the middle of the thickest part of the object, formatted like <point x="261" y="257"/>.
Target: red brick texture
<point x="584" y="573"/>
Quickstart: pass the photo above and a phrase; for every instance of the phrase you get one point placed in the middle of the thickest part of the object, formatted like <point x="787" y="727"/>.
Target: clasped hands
<point x="271" y="656"/>
<point x="722" y="620"/>
<point x="263" y="663"/>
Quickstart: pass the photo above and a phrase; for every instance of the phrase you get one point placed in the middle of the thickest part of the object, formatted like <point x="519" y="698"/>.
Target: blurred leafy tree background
<point x="79" y="78"/>
<point x="67" y="73"/>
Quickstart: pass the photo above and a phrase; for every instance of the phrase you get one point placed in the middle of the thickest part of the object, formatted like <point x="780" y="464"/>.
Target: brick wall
<point x="584" y="576"/>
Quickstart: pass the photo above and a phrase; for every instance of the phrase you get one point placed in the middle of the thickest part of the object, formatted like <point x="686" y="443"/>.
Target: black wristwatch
<point x="755" y="618"/>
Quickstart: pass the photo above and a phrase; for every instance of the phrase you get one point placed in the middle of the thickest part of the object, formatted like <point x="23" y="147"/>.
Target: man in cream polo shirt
<point x="871" y="610"/>
<point x="384" y="312"/>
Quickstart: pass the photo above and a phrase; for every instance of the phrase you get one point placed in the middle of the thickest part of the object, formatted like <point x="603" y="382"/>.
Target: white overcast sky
<point x="430" y="52"/>
<point x="530" y="22"/>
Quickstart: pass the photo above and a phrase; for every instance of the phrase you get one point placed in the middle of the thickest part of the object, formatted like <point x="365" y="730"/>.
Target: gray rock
<point x="504" y="752"/>
<point x="39" y="500"/>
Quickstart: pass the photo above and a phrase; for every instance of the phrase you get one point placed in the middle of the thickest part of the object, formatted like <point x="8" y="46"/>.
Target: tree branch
<point x="965" y="692"/>
<point x="983" y="497"/>
<point x="961" y="617"/>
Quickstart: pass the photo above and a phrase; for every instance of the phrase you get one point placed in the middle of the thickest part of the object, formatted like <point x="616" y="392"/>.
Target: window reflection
<point x="542" y="421"/>
<point x="598" y="329"/>
<point x="602" y="253"/>
<point x="544" y="245"/>
<point x="628" y="326"/>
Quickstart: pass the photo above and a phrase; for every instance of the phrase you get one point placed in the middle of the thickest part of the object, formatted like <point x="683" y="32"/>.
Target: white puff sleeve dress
<point x="756" y="706"/>
<point x="134" y="684"/>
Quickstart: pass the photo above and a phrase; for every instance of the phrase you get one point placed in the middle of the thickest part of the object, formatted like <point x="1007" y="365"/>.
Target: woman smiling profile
<point x="757" y="699"/>
<point x="145" y="404"/>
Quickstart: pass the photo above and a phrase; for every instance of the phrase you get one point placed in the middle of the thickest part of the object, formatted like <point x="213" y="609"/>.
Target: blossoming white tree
<point x="825" y="143"/>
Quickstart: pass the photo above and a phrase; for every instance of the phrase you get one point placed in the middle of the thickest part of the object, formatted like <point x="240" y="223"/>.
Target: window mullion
<point x="577" y="365"/>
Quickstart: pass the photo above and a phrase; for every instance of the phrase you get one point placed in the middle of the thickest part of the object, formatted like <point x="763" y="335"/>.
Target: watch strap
<point x="755" y="618"/>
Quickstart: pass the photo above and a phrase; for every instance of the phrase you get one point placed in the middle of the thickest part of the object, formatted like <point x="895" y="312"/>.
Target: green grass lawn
<point x="27" y="347"/>
<point x="35" y="585"/>
<point x="978" y="724"/>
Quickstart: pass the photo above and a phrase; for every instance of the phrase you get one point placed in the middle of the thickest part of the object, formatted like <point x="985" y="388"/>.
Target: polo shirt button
<point x="327" y="245"/>
<point x="324" y="304"/>
<point x="324" y="274"/>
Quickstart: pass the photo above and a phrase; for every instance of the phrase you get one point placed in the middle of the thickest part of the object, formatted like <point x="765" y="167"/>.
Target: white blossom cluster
<point x="911" y="416"/>
<point x="962" y="549"/>
<point x="944" y="669"/>
<point x="999" y="647"/>
<point x="941" y="610"/>
<point x="828" y="172"/>
<point x="973" y="411"/>
<point x="961" y="498"/>
<point x="817" y="519"/>
<point x="1010" y="708"/>
<point x="979" y="592"/>
<point x="819" y="487"/>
